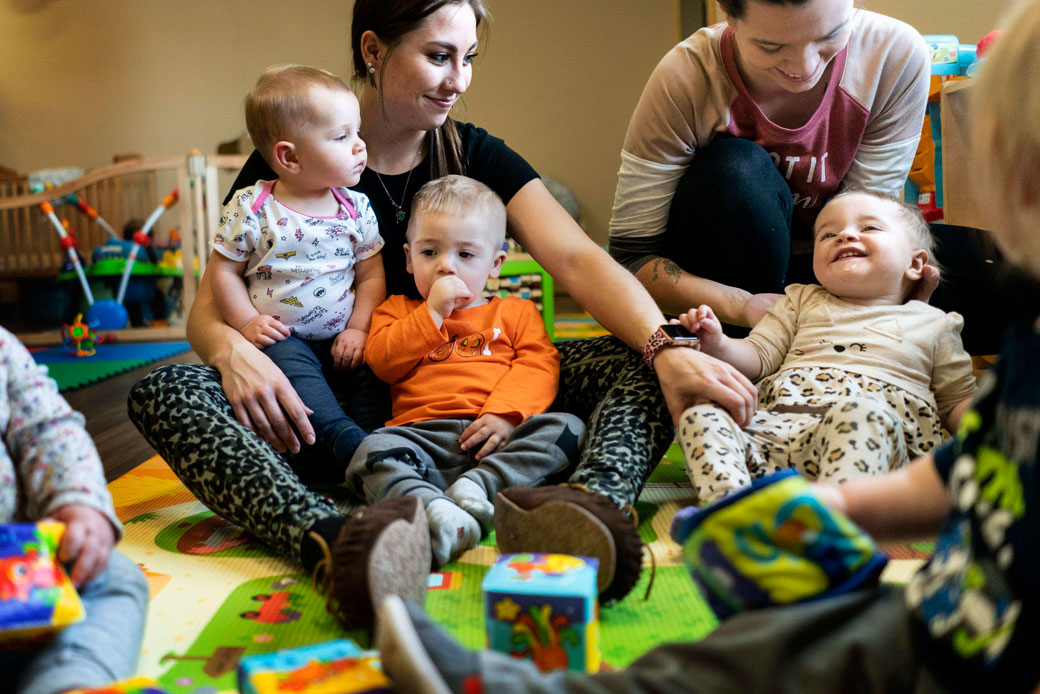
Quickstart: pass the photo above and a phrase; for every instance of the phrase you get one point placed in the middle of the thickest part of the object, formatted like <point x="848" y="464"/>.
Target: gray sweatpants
<point x="425" y="458"/>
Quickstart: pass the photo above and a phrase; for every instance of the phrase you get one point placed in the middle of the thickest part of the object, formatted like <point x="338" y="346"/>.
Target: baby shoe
<point x="381" y="550"/>
<point x="568" y="520"/>
<point x="773" y="543"/>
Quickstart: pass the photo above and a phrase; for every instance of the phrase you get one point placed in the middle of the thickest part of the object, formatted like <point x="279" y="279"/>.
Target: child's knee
<point x="129" y="577"/>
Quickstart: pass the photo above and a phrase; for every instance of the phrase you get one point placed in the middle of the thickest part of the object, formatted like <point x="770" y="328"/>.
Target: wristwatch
<point x="663" y="340"/>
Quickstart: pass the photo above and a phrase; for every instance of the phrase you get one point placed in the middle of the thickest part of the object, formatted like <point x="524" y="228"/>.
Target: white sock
<point x="471" y="498"/>
<point x="452" y="530"/>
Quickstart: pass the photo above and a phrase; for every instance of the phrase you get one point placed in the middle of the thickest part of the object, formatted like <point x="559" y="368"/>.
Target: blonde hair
<point x="460" y="196"/>
<point x="280" y="102"/>
<point x="1006" y="135"/>
<point x="916" y="225"/>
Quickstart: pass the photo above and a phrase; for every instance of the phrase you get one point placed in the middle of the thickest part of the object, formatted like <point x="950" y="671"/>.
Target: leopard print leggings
<point x="183" y="413"/>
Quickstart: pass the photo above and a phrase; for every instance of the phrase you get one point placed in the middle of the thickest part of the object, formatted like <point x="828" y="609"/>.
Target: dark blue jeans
<point x="363" y="404"/>
<point x="731" y="221"/>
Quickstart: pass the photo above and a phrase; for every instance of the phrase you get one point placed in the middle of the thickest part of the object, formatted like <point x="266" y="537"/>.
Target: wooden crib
<point x="30" y="246"/>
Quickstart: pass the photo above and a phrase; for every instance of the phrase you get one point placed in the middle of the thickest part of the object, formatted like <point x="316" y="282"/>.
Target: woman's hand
<point x="490" y="428"/>
<point x="348" y="349"/>
<point x="756" y="305"/>
<point x="261" y="397"/>
<point x="927" y="285"/>
<point x="87" y="542"/>
<point x="689" y="377"/>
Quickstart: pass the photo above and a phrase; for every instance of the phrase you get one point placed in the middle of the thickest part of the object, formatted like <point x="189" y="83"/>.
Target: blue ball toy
<point x="106" y="314"/>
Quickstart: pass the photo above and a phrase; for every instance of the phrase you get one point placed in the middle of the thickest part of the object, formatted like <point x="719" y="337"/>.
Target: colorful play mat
<point x="217" y="594"/>
<point x="70" y="371"/>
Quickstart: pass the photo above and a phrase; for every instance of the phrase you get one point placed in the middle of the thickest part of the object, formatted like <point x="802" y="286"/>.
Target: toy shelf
<point x="522" y="276"/>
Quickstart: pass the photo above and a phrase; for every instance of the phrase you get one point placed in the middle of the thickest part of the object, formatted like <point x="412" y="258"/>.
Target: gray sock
<point x="471" y="498"/>
<point x="452" y="530"/>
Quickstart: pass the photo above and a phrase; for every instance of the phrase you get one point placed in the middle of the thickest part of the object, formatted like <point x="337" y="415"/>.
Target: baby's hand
<point x="491" y="429"/>
<point x="348" y="349"/>
<point x="446" y="294"/>
<point x="830" y="495"/>
<point x="87" y="543"/>
<point x="264" y="331"/>
<point x="703" y="323"/>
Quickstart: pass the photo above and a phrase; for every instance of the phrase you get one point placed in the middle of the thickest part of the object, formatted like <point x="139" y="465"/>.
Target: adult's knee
<point x="730" y="217"/>
<point x="732" y="170"/>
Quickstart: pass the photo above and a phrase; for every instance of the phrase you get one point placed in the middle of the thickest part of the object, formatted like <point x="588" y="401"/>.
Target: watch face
<point x="678" y="333"/>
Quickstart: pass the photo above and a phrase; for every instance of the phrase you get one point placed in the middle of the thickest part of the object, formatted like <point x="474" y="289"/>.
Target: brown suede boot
<point x="568" y="520"/>
<point x="382" y="550"/>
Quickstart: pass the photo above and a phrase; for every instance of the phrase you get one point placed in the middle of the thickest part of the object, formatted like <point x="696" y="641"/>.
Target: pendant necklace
<point x="399" y="213"/>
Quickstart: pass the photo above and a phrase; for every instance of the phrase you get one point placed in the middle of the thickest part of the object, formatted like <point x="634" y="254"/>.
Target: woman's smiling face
<point x="429" y="68"/>
<point x="788" y="47"/>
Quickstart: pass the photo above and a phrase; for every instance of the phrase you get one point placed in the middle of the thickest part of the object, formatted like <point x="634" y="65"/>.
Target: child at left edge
<point x="470" y="378"/>
<point x="50" y="470"/>
<point x="296" y="262"/>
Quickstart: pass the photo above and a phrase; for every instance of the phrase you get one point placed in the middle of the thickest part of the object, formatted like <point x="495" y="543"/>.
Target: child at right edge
<point x="854" y="378"/>
<point x="969" y="619"/>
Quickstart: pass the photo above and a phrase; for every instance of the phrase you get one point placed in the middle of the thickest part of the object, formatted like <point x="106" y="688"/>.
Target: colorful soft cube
<point x="543" y="607"/>
<point x="333" y="667"/>
<point x="773" y="543"/>
<point x="36" y="596"/>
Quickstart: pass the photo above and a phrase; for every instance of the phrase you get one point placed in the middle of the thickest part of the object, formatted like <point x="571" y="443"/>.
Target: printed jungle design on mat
<point x="219" y="595"/>
<point x="261" y="615"/>
<point x="208" y="534"/>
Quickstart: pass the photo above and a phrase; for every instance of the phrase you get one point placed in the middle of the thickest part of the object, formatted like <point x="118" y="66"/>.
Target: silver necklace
<point x="399" y="213"/>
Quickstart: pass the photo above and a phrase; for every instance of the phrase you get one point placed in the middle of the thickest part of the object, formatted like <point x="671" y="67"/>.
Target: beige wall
<point x="81" y="81"/>
<point x="968" y="20"/>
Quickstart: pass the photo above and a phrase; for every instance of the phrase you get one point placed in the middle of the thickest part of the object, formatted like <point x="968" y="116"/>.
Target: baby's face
<point x="443" y="244"/>
<point x="863" y="251"/>
<point x="330" y="149"/>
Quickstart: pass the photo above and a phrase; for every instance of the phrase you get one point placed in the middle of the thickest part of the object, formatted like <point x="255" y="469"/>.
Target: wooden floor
<point x="103" y="404"/>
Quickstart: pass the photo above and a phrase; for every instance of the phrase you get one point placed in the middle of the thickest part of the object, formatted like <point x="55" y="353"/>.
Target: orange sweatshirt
<point x="496" y="358"/>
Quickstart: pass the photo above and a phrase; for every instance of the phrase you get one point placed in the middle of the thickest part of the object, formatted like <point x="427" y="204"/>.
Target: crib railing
<point x="30" y="246"/>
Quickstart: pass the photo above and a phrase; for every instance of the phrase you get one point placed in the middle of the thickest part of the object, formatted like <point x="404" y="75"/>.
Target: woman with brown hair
<point x="221" y="428"/>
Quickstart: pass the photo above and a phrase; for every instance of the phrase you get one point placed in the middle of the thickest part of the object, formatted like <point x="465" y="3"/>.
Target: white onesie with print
<point x="299" y="269"/>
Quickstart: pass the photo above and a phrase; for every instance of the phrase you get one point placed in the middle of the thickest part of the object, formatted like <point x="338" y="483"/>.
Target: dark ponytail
<point x="390" y="20"/>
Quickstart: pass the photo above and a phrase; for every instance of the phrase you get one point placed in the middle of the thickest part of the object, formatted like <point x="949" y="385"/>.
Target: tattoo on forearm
<point x="667" y="267"/>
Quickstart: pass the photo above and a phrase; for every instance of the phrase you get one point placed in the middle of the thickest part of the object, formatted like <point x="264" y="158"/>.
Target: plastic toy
<point x="951" y="60"/>
<point x="86" y="209"/>
<point x="543" y="607"/>
<point x="79" y="338"/>
<point x="36" y="596"/>
<point x="334" y="666"/>
<point x="141" y="239"/>
<point x="105" y="314"/>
